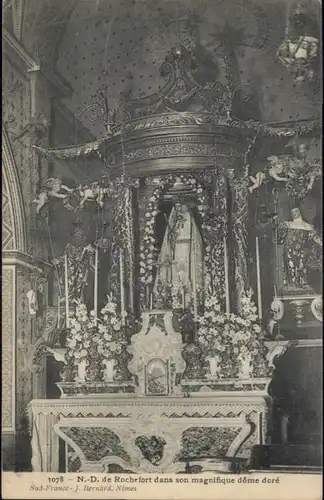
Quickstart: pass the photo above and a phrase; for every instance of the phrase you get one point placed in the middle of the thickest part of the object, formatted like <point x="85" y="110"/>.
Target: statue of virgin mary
<point x="180" y="263"/>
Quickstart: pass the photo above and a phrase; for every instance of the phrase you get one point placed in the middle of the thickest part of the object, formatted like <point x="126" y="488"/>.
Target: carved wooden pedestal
<point x="153" y="434"/>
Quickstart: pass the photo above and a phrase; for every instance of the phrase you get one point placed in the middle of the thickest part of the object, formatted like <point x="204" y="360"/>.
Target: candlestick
<point x="227" y="295"/>
<point x="258" y="270"/>
<point x="122" y="296"/>
<point x="66" y="286"/>
<point x="194" y="285"/>
<point x="95" y="298"/>
<point x="58" y="312"/>
<point x="183" y="298"/>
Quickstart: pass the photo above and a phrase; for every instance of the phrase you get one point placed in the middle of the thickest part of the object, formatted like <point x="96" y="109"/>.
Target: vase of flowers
<point x="214" y="366"/>
<point x="232" y="344"/>
<point x="94" y="344"/>
<point x="109" y="370"/>
<point x="246" y="367"/>
<point x="79" y="340"/>
<point x="81" y="371"/>
<point x="110" y="338"/>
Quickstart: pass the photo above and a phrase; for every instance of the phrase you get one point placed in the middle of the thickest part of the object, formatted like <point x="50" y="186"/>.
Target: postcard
<point x="162" y="249"/>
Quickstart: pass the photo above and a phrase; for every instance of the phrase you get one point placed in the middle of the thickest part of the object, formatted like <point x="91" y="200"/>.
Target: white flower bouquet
<point x="93" y="340"/>
<point x="232" y="338"/>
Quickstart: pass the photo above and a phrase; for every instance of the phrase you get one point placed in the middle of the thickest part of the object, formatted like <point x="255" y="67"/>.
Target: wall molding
<point x="9" y="344"/>
<point x="24" y="260"/>
<point x="14" y="51"/>
<point x="12" y="182"/>
<point x="302" y="343"/>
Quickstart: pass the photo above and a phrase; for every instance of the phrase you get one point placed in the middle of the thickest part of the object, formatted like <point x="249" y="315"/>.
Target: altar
<point x="147" y="435"/>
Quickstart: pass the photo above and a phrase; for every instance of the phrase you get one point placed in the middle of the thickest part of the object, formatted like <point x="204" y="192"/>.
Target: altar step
<point x="290" y="457"/>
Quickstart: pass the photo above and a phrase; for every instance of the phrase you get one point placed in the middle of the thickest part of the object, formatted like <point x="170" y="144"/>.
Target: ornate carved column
<point x="239" y="194"/>
<point x="145" y="192"/>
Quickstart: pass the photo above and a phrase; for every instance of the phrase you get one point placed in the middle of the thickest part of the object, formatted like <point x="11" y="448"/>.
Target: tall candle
<point x="122" y="296"/>
<point x="66" y="287"/>
<point x="95" y="298"/>
<point x="58" y="311"/>
<point x="227" y="295"/>
<point x="258" y="270"/>
<point x="194" y="291"/>
<point x="151" y="301"/>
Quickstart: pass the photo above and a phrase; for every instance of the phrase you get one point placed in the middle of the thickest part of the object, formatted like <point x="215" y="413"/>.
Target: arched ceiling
<point x="123" y="42"/>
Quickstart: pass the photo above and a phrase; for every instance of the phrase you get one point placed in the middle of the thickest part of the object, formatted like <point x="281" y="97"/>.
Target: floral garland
<point x="301" y="176"/>
<point x="234" y="341"/>
<point x="214" y="225"/>
<point x="311" y="128"/>
<point x="119" y="191"/>
<point x="93" y="340"/>
<point x="148" y="248"/>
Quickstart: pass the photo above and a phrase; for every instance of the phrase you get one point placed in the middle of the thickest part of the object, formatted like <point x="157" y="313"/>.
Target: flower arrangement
<point x="109" y="339"/>
<point x="82" y="329"/>
<point x="235" y="341"/>
<point x="91" y="341"/>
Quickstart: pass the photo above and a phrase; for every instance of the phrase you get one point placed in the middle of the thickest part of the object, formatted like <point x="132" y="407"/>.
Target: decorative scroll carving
<point x="96" y="442"/>
<point x="276" y="350"/>
<point x="181" y="148"/>
<point x="152" y="448"/>
<point x="168" y="119"/>
<point x="38" y="355"/>
<point x="299" y="307"/>
<point x="207" y="442"/>
<point x="73" y="462"/>
<point x="317" y="308"/>
<point x="179" y="90"/>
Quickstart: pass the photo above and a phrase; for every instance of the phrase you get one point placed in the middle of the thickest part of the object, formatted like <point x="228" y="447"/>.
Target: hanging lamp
<point x="300" y="49"/>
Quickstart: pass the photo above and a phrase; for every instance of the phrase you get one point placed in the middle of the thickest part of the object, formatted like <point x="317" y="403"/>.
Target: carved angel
<point x="51" y="189"/>
<point x="58" y="355"/>
<point x="92" y="191"/>
<point x="277" y="169"/>
<point x="275" y="315"/>
<point x="257" y="181"/>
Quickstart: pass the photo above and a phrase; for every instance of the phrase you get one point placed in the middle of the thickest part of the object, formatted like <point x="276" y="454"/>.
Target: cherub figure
<point x="277" y="169"/>
<point x="92" y="191"/>
<point x="257" y="181"/>
<point x="51" y="189"/>
<point x="57" y="354"/>
<point x="275" y="315"/>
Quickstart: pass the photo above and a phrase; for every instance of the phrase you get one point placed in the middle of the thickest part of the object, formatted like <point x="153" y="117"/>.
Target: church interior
<point x="161" y="236"/>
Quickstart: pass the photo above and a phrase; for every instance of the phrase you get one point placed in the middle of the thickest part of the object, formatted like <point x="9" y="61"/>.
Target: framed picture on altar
<point x="157" y="378"/>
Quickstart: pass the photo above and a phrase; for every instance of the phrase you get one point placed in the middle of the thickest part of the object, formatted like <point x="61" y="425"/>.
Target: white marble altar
<point x="239" y="421"/>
